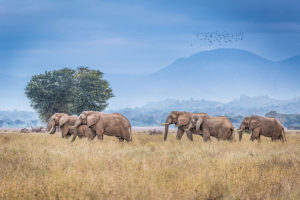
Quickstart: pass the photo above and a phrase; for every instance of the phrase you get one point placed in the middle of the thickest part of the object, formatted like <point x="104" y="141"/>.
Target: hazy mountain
<point x="220" y="74"/>
<point x="256" y="102"/>
<point x="289" y="108"/>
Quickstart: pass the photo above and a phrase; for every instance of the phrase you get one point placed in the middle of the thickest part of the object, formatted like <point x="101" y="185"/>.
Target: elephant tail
<point x="231" y="134"/>
<point x="130" y="133"/>
<point x="283" y="135"/>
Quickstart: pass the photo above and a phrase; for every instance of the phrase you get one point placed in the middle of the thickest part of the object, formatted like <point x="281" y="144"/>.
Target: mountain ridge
<point x="220" y="74"/>
<point x="153" y="113"/>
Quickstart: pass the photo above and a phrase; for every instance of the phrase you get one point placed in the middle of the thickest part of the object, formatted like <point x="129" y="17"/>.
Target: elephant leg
<point x="275" y="137"/>
<point x="206" y="135"/>
<point x="64" y="131"/>
<point x="75" y="134"/>
<point x="92" y="137"/>
<point x="128" y="139"/>
<point x="68" y="135"/>
<point x="180" y="133"/>
<point x="121" y="139"/>
<point x="99" y="133"/>
<point x="74" y="137"/>
<point x="189" y="135"/>
<point x="281" y="138"/>
<point x="231" y="137"/>
<point x="255" y="134"/>
<point x="258" y="138"/>
<point x="126" y="134"/>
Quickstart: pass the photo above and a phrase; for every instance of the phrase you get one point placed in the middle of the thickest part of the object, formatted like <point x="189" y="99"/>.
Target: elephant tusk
<point x="164" y="123"/>
<point x="51" y="130"/>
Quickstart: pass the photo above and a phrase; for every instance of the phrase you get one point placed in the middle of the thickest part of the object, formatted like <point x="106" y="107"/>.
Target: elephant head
<point x="177" y="118"/>
<point x="244" y="126"/>
<point x="248" y="123"/>
<point x="58" y="119"/>
<point x="89" y="118"/>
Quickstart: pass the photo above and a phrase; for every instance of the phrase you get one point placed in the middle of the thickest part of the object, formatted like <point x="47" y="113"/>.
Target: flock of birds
<point x="218" y="38"/>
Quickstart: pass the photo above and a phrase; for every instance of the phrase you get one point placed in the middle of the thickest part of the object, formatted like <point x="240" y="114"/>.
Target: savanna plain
<point x="43" y="166"/>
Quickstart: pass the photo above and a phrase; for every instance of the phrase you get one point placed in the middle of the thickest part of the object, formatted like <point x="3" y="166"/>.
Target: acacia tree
<point x="68" y="91"/>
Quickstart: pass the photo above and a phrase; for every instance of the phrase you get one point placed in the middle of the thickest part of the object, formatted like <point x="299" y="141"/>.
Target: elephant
<point x="181" y="119"/>
<point x="63" y="121"/>
<point x="114" y="124"/>
<point x="82" y="131"/>
<point x="24" y="130"/>
<point x="219" y="127"/>
<point x="266" y="126"/>
<point x="38" y="129"/>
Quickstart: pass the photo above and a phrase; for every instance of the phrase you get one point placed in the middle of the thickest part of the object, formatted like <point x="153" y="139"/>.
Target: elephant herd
<point x="93" y="123"/>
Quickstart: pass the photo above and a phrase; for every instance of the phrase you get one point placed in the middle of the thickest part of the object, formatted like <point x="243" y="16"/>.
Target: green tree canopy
<point x="69" y="91"/>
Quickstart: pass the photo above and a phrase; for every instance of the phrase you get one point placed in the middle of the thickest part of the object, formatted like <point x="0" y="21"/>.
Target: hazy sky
<point x="137" y="36"/>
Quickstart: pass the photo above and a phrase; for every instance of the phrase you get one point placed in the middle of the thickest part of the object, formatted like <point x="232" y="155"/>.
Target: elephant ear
<point x="92" y="119"/>
<point x="183" y="119"/>
<point x="254" y="123"/>
<point x="63" y="120"/>
<point x="198" y="123"/>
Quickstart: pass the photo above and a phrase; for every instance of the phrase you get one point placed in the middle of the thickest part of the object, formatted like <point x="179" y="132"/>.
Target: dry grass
<point x="40" y="166"/>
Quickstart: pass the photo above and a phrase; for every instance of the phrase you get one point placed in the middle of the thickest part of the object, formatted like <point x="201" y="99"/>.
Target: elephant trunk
<point x="74" y="133"/>
<point x="166" y="131"/>
<point x="240" y="134"/>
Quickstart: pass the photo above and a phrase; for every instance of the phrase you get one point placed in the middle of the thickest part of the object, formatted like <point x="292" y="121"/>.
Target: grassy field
<point x="41" y="166"/>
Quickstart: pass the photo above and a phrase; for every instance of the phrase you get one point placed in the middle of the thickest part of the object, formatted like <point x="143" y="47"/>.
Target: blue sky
<point x="132" y="36"/>
<point x="137" y="36"/>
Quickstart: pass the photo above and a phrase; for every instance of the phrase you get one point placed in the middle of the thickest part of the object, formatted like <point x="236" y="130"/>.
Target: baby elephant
<point x="82" y="131"/>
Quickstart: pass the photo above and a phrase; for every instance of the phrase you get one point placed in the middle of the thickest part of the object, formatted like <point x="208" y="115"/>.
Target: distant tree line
<point x="69" y="91"/>
<point x="19" y="119"/>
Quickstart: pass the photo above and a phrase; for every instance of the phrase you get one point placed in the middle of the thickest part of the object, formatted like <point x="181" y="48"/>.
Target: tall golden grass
<point x="41" y="166"/>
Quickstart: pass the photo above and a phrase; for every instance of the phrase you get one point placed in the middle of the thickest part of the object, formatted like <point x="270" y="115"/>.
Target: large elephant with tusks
<point x="181" y="120"/>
